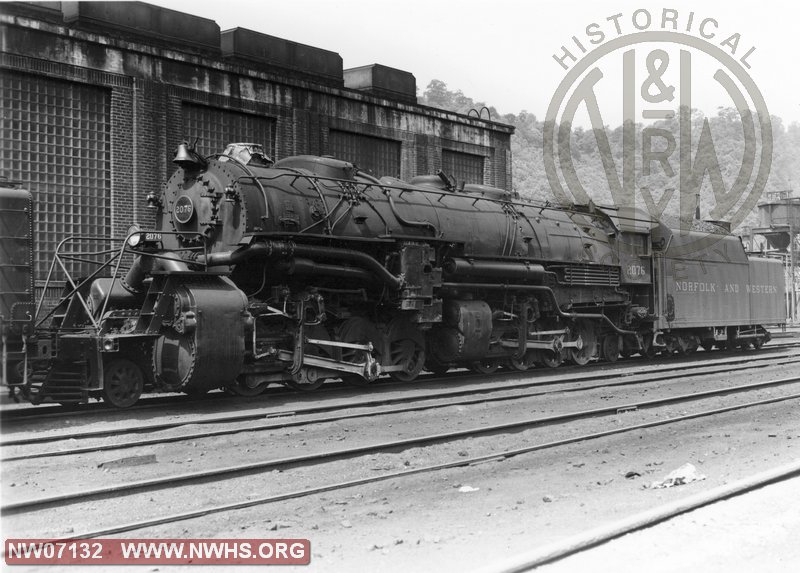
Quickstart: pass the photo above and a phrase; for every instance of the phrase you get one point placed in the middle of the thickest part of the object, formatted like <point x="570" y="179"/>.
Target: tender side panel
<point x="767" y="292"/>
<point x="702" y="293"/>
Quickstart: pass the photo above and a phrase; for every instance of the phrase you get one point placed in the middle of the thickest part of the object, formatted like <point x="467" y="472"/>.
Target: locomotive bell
<point x="187" y="157"/>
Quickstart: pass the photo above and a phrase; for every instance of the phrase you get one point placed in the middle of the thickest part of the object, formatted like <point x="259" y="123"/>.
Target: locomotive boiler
<point x="308" y="269"/>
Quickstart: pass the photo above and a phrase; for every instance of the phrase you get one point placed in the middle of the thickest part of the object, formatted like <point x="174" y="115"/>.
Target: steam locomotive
<point x="308" y="269"/>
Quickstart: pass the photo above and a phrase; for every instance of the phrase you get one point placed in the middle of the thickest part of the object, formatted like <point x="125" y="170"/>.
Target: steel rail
<point x="461" y="462"/>
<point x="339" y="417"/>
<point x="558" y="550"/>
<point x="629" y="379"/>
<point x="43" y="412"/>
<point x="402" y="444"/>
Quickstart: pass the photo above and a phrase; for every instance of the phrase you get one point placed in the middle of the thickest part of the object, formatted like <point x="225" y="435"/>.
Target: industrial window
<point x="55" y="139"/>
<point x="374" y="154"/>
<point x="464" y="167"/>
<point x="216" y="128"/>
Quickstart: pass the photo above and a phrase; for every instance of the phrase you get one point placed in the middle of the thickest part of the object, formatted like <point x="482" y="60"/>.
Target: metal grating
<point x="55" y="139"/>
<point x="580" y="275"/>
<point x="216" y="128"/>
<point x="377" y="155"/>
<point x="465" y="167"/>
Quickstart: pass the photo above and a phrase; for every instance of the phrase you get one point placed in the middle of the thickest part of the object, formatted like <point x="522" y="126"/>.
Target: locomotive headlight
<point x="134" y="236"/>
<point x="110" y="345"/>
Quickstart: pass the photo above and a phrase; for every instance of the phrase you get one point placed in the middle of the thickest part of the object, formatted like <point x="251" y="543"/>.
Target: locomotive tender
<point x="17" y="303"/>
<point x="309" y="269"/>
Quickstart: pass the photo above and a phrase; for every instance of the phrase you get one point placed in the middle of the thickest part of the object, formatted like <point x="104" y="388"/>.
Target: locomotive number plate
<point x="183" y="210"/>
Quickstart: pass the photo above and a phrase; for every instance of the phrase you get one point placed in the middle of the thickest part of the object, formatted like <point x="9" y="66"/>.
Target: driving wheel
<point x="406" y="346"/>
<point x="359" y="330"/>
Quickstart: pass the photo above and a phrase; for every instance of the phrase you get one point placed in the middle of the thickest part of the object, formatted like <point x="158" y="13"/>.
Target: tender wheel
<point x="670" y="347"/>
<point x="406" y="346"/>
<point x="687" y="345"/>
<point x="485" y="366"/>
<point x="707" y="345"/>
<point x="358" y="330"/>
<point x="123" y="382"/>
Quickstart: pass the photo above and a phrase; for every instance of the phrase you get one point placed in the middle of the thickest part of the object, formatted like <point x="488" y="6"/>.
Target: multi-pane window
<point x="216" y="128"/>
<point x="465" y="167"/>
<point x="377" y="155"/>
<point x="55" y="139"/>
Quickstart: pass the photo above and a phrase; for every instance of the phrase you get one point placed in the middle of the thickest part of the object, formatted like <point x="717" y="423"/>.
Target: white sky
<point x="501" y="51"/>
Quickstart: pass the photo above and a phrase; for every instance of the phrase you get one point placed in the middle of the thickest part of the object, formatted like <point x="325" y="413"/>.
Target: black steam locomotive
<point x="309" y="269"/>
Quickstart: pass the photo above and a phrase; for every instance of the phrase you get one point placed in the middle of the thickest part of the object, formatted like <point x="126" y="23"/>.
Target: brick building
<point x="95" y="96"/>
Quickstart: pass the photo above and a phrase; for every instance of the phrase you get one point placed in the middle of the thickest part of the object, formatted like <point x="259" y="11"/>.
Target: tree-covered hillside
<point x="725" y="129"/>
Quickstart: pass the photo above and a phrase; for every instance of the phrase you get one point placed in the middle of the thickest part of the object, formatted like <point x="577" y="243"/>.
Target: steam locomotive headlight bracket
<point x="154" y="201"/>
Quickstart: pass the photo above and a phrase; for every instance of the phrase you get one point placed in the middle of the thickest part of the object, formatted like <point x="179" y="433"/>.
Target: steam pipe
<point x="287" y="249"/>
<point x="303" y="267"/>
<point x="457" y="267"/>
<point x="538" y="288"/>
<point x="407" y="222"/>
<point x="143" y="264"/>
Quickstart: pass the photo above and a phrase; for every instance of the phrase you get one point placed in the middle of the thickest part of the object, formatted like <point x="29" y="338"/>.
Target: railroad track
<point x="554" y="552"/>
<point x="204" y="476"/>
<point x="463" y="397"/>
<point x="14" y="415"/>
